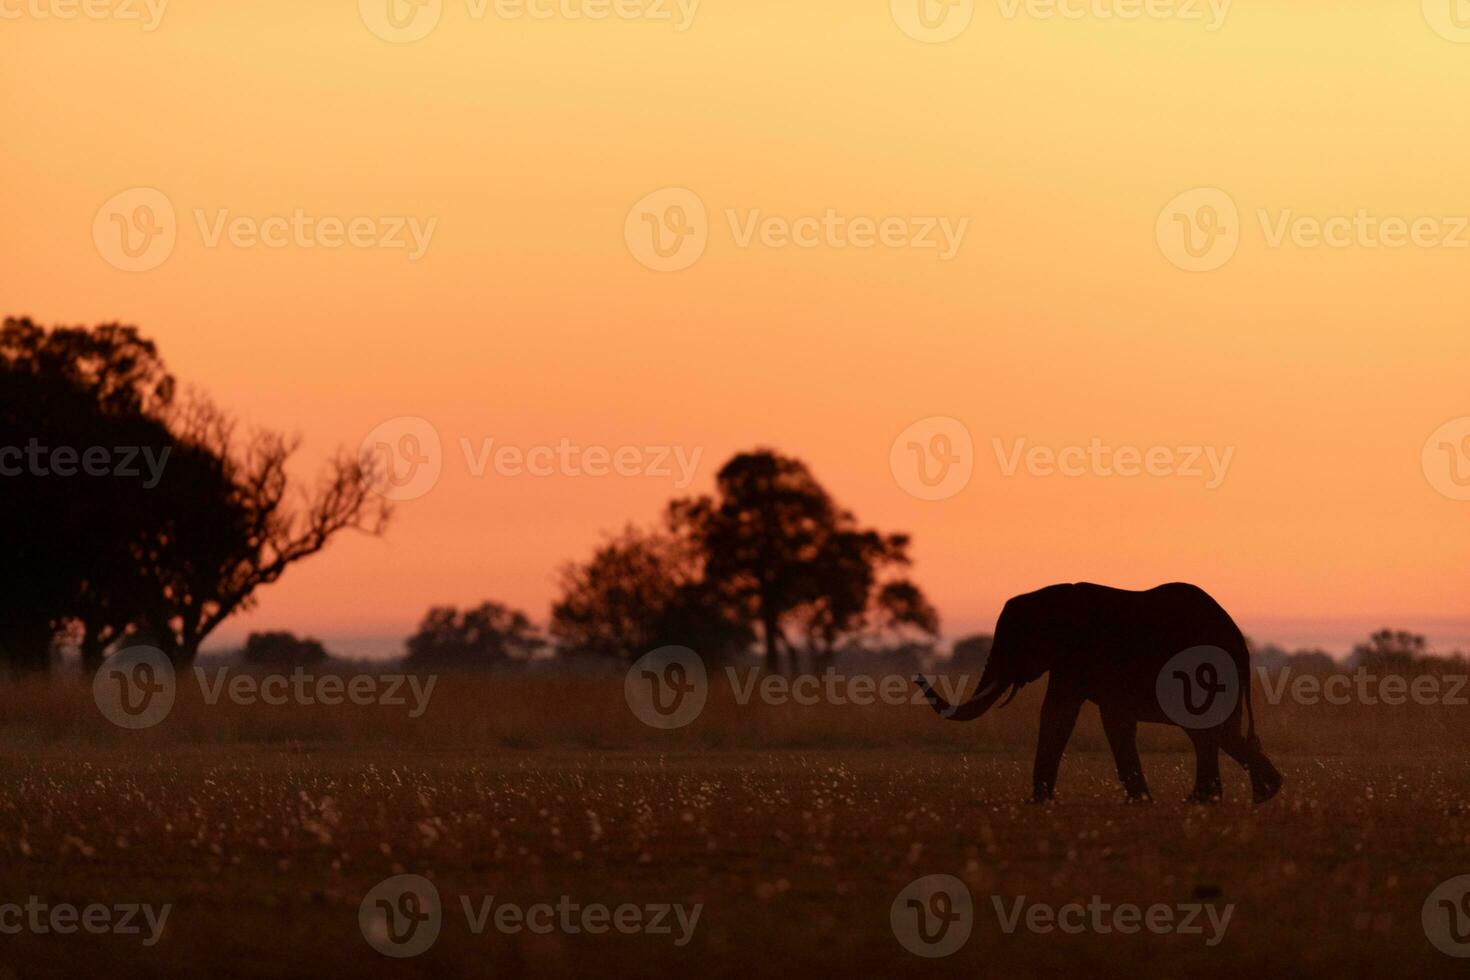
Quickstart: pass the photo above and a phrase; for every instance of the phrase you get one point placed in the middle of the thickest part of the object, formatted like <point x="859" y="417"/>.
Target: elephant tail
<point x="1251" y="739"/>
<point x="969" y="710"/>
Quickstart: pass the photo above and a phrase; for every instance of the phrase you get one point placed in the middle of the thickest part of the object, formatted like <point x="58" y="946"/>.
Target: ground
<point x="795" y="829"/>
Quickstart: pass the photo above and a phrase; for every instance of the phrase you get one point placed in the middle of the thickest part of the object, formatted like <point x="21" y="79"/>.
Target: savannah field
<point x="795" y="828"/>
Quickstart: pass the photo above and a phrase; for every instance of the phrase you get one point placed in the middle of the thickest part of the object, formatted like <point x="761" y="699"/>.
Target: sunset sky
<point x="530" y="319"/>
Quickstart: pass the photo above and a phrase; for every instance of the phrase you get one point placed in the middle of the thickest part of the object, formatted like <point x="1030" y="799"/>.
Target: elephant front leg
<point x="1058" y="715"/>
<point x="1122" y="733"/>
<point x="1207" y="786"/>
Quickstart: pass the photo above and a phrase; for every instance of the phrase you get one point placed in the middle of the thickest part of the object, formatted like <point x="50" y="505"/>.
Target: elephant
<point x="1139" y="656"/>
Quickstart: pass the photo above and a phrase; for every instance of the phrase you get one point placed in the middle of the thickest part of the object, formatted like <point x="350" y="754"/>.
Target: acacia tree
<point x="98" y="558"/>
<point x="233" y="521"/>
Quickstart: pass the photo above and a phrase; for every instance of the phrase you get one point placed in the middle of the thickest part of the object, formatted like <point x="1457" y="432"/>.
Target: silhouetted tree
<point x="233" y="526"/>
<point x="489" y="635"/>
<point x="774" y="542"/>
<point x="1274" y="657"/>
<point x="1390" y="651"/>
<point x="283" y="650"/>
<point x="97" y="557"/>
<point x="69" y="398"/>
<point x="642" y="590"/>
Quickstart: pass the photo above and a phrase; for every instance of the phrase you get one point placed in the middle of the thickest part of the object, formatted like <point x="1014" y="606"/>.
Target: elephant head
<point x="1031" y="636"/>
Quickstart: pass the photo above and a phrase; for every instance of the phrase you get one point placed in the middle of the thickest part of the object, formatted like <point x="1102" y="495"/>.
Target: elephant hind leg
<point x="1207" y="785"/>
<point x="1265" y="779"/>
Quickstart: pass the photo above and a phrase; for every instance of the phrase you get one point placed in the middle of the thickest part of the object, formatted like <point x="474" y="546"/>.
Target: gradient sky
<point x="1060" y="319"/>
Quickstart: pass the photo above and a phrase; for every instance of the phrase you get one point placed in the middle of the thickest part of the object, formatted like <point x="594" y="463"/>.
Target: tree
<point x="776" y="545"/>
<point x="489" y="635"/>
<point x="1390" y="651"/>
<point x="642" y="590"/>
<point x="234" y="522"/>
<point x="70" y="397"/>
<point x="283" y="650"/>
<point x="100" y="555"/>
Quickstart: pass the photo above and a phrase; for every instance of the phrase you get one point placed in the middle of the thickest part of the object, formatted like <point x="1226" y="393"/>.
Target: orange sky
<point x="1060" y="318"/>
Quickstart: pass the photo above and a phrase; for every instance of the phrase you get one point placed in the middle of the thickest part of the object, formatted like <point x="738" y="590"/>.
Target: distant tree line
<point x="102" y="552"/>
<point x="768" y="562"/>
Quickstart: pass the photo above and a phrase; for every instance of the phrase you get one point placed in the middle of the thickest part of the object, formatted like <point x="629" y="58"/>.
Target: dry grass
<point x="794" y="826"/>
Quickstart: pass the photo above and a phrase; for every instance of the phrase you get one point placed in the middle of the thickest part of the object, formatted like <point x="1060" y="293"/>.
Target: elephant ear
<point x="1042" y="629"/>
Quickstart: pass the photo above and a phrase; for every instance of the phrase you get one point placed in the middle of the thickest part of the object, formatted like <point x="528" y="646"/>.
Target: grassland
<point x="794" y="828"/>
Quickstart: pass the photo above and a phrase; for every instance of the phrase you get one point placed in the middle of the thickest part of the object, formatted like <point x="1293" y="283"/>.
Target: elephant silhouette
<point x="1169" y="655"/>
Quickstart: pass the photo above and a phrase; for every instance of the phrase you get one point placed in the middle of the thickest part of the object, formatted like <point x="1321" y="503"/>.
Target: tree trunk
<point x="92" y="649"/>
<point x="773" y="655"/>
